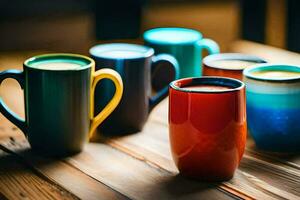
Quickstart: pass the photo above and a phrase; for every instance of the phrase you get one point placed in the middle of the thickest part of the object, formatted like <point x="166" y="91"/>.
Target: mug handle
<point x="211" y="46"/>
<point x="109" y="108"/>
<point x="157" y="61"/>
<point x="9" y="114"/>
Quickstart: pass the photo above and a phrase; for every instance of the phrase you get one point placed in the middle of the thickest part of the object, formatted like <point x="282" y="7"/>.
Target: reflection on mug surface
<point x="207" y="126"/>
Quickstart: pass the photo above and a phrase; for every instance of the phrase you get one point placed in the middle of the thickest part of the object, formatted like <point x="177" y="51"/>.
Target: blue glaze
<point x="274" y="129"/>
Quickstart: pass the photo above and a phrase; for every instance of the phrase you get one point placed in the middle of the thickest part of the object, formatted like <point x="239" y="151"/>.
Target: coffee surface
<point x="57" y="65"/>
<point x="276" y="74"/>
<point x="207" y="88"/>
<point x="232" y="64"/>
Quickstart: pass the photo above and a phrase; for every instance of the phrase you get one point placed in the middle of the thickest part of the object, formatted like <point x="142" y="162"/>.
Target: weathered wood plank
<point x="2" y="197"/>
<point x="138" y="145"/>
<point x="18" y="182"/>
<point x="283" y="179"/>
<point x="61" y="173"/>
<point x="160" y="112"/>
<point x="152" y="145"/>
<point x="271" y="54"/>
<point x="134" y="178"/>
<point x="131" y="176"/>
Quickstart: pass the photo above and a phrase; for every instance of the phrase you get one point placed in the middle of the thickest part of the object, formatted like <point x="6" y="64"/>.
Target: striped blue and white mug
<point x="273" y="106"/>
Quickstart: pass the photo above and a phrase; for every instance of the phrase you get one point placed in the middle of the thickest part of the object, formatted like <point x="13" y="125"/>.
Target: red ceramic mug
<point x="207" y="125"/>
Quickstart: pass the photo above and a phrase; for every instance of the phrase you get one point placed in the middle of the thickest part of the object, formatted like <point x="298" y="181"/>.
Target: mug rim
<point x="155" y="41"/>
<point x="148" y="51"/>
<point x="90" y="63"/>
<point x="218" y="79"/>
<point x="269" y="66"/>
<point x="232" y="56"/>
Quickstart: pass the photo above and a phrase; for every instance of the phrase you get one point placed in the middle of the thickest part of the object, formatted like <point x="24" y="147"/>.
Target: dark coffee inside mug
<point x="208" y="84"/>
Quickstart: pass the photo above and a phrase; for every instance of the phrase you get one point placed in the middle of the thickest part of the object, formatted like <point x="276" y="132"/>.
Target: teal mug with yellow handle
<point x="59" y="101"/>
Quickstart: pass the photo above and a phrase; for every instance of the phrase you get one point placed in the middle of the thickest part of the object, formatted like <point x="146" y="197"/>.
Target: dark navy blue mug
<point x="273" y="106"/>
<point x="136" y="64"/>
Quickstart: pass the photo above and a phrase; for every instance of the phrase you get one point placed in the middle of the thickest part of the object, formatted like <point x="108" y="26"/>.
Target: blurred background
<point x="75" y="25"/>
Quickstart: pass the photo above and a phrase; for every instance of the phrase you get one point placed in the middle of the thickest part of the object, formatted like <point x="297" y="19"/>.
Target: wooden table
<point x="137" y="166"/>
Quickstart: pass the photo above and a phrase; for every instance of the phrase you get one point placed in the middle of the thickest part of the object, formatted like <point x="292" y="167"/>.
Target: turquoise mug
<point x="184" y="44"/>
<point x="273" y="106"/>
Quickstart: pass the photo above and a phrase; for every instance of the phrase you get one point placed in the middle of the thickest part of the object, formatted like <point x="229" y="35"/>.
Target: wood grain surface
<point x="17" y="181"/>
<point x="136" y="166"/>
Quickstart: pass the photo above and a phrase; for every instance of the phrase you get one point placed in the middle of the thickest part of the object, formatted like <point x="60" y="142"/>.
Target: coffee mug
<point x="207" y="126"/>
<point x="184" y="44"/>
<point x="273" y="106"/>
<point x="229" y="64"/>
<point x="134" y="63"/>
<point x="59" y="101"/>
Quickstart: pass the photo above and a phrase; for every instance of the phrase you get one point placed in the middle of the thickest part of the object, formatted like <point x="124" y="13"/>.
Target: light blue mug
<point x="273" y="106"/>
<point x="184" y="44"/>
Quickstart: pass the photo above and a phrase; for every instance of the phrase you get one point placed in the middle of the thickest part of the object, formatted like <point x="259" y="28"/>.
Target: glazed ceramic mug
<point x="136" y="64"/>
<point x="207" y="126"/>
<point x="59" y="101"/>
<point x="273" y="106"/>
<point x="229" y="64"/>
<point x="184" y="44"/>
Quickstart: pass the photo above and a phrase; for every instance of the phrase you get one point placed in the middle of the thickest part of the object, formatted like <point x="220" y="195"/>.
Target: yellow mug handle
<point x="109" y="108"/>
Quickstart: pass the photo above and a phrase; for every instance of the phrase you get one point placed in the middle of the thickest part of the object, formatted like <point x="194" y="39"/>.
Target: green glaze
<point x="57" y="104"/>
<point x="53" y="58"/>
<point x="185" y="45"/>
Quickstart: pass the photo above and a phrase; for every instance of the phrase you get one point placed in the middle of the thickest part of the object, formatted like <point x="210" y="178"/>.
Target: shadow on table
<point x="177" y="186"/>
<point x="103" y="138"/>
<point x="25" y="158"/>
<point x="9" y="163"/>
<point x="2" y="197"/>
<point x="273" y="157"/>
